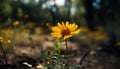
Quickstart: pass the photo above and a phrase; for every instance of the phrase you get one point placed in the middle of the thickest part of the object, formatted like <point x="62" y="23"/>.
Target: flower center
<point x="65" y="31"/>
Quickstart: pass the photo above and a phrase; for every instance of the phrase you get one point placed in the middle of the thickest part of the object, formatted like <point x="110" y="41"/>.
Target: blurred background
<point x="27" y="22"/>
<point x="93" y="14"/>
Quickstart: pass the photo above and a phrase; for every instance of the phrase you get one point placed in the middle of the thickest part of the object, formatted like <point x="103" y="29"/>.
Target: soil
<point x="29" y="53"/>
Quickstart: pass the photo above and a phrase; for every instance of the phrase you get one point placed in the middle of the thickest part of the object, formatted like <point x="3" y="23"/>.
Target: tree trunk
<point x="89" y="14"/>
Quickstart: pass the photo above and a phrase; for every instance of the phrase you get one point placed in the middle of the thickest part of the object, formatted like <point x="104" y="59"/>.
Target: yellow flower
<point x="1" y="39"/>
<point x="118" y="44"/>
<point x="7" y="42"/>
<point x="16" y="23"/>
<point x="64" y="30"/>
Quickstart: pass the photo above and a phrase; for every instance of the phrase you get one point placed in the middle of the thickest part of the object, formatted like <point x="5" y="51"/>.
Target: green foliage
<point x="54" y="59"/>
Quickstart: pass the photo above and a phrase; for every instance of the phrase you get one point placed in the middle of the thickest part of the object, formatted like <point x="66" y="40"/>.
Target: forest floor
<point x="29" y="52"/>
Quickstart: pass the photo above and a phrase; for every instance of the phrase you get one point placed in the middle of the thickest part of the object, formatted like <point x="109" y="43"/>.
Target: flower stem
<point x="83" y="57"/>
<point x="66" y="44"/>
<point x="4" y="54"/>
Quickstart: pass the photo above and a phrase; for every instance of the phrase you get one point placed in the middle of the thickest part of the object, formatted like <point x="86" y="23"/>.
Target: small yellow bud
<point x="7" y="42"/>
<point x="16" y="23"/>
<point x="1" y="39"/>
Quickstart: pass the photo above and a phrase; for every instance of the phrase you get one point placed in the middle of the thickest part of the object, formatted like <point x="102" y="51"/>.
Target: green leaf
<point x="57" y="48"/>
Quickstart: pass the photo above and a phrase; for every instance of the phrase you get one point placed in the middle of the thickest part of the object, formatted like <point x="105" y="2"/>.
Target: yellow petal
<point x="73" y="27"/>
<point x="63" y="25"/>
<point x="76" y="32"/>
<point x="67" y="36"/>
<point x="56" y="29"/>
<point x="58" y="35"/>
<point x="67" y="23"/>
<point x="59" y="25"/>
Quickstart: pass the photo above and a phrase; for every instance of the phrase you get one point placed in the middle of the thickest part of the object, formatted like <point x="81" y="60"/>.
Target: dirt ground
<point x="94" y="60"/>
